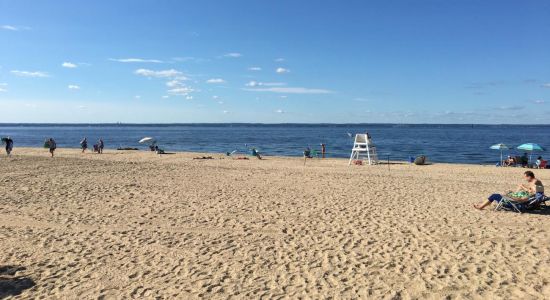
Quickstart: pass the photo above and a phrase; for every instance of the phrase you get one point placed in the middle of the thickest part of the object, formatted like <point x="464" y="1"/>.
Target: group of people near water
<point x="512" y="161"/>
<point x="98" y="148"/>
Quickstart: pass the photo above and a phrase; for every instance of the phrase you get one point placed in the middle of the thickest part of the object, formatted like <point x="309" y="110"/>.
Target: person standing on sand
<point x="52" y="145"/>
<point x="100" y="146"/>
<point x="84" y="144"/>
<point x="9" y="145"/>
<point x="522" y="193"/>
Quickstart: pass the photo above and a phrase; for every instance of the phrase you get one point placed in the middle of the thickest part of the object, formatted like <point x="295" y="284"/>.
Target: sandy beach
<point x="138" y="225"/>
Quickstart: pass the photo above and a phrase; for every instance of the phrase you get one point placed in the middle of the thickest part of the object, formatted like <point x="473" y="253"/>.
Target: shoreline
<point x="36" y="151"/>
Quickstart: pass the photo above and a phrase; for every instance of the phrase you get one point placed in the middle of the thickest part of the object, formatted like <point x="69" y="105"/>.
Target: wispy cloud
<point x="282" y="70"/>
<point x="181" y="91"/>
<point x="30" y="74"/>
<point x="233" y="55"/>
<point x="215" y="80"/>
<point x="280" y="111"/>
<point x="280" y="59"/>
<point x="290" y="90"/>
<point x="225" y="112"/>
<point x="14" y="28"/>
<point x="73" y="87"/>
<point x="546" y="85"/>
<point x="2" y="89"/>
<point x="69" y="65"/>
<point x="136" y="60"/>
<point x="254" y="69"/>
<point x="159" y="74"/>
<point x="511" y="107"/>
<point x="257" y="84"/>
<point x="539" y="101"/>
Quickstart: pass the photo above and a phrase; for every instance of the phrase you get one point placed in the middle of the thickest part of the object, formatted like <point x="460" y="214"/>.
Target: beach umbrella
<point x="147" y="140"/>
<point x="500" y="147"/>
<point x="530" y="147"/>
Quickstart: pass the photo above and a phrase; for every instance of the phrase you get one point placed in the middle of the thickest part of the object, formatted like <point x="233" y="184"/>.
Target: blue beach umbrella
<point x="500" y="147"/>
<point x="530" y="147"/>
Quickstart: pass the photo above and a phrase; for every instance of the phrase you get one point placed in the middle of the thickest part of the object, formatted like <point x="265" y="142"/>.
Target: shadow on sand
<point x="11" y="285"/>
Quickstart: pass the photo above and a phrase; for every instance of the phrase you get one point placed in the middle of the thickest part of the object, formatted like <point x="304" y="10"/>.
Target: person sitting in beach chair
<point x="540" y="163"/>
<point x="255" y="153"/>
<point x="510" y="161"/>
<point x="522" y="195"/>
<point x="307" y="153"/>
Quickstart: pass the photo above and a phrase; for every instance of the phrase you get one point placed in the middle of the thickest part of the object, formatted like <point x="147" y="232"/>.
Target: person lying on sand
<point x="522" y="193"/>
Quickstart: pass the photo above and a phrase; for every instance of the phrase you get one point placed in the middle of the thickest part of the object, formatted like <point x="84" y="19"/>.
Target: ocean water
<point x="441" y="143"/>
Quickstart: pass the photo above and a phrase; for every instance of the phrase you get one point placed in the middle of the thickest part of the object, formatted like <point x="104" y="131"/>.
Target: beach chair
<point x="534" y="202"/>
<point x="363" y="146"/>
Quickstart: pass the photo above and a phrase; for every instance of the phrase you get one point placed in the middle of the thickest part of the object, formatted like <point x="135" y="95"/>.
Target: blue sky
<point x="275" y="61"/>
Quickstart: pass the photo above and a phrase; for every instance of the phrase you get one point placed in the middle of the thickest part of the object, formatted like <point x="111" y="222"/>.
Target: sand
<point x="138" y="225"/>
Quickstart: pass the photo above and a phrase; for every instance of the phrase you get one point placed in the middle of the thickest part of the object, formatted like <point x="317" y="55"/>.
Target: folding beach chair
<point x="534" y="202"/>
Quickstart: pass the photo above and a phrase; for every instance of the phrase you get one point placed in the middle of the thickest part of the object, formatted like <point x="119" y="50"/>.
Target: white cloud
<point x="233" y="55"/>
<point x="30" y="74"/>
<point x="189" y="98"/>
<point x="136" y="60"/>
<point x="220" y="102"/>
<point x="165" y="97"/>
<point x="14" y="28"/>
<point x="69" y="65"/>
<point x="254" y="69"/>
<point x="280" y="111"/>
<point x="539" y="101"/>
<point x="280" y="59"/>
<point x="225" y="112"/>
<point x="215" y="97"/>
<point x="282" y="70"/>
<point x="73" y="87"/>
<point x="546" y="85"/>
<point x="283" y="96"/>
<point x="290" y="90"/>
<point x="3" y="90"/>
<point x="159" y="74"/>
<point x="137" y="96"/>
<point x="256" y="83"/>
<point x="215" y="80"/>
<point x="181" y="91"/>
<point x="2" y="87"/>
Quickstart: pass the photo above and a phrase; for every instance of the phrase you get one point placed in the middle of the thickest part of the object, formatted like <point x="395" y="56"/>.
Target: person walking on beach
<point x="100" y="146"/>
<point x="52" y="146"/>
<point x="522" y="193"/>
<point x="9" y="145"/>
<point x="84" y="144"/>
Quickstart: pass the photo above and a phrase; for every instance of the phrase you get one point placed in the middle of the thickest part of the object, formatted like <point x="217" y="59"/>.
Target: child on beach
<point x="522" y="194"/>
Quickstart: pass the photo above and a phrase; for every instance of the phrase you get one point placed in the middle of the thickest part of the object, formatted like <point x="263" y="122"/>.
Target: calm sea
<point x="441" y="143"/>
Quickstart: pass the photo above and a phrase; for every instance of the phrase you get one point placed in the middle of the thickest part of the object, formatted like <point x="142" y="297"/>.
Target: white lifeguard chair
<point x="363" y="147"/>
